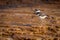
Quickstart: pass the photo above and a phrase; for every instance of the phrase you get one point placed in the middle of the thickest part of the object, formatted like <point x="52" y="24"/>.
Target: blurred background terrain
<point x="17" y="21"/>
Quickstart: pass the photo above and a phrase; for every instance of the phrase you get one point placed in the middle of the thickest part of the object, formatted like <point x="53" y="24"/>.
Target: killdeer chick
<point x="41" y="15"/>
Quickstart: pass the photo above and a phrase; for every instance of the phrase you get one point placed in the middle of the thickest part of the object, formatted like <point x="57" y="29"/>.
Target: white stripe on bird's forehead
<point x="38" y="11"/>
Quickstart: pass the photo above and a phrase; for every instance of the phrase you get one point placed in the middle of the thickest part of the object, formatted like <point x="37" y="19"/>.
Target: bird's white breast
<point x="42" y="17"/>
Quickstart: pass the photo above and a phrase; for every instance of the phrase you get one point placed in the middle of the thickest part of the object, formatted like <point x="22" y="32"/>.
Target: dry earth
<point x="21" y="24"/>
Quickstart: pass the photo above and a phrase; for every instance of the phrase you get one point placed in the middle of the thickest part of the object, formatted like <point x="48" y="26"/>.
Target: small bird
<point x="40" y="14"/>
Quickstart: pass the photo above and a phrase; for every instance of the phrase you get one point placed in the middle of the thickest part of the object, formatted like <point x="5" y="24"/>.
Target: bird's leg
<point x="43" y="22"/>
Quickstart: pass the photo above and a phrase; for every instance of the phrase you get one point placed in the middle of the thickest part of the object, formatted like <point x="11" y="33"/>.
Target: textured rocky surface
<point x="21" y="24"/>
